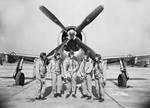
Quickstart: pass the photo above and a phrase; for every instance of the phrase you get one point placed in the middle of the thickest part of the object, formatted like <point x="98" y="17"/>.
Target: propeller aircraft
<point x="71" y="39"/>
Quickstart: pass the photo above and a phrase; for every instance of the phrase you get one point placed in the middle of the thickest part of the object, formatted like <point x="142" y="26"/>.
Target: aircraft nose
<point x="71" y="34"/>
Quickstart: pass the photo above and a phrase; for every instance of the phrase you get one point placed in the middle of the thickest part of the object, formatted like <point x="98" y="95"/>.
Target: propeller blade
<point x="86" y="49"/>
<point x="51" y="16"/>
<point x="90" y="18"/>
<point x="58" y="48"/>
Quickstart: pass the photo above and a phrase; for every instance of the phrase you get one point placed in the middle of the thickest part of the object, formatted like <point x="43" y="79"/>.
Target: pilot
<point x="86" y="74"/>
<point x="41" y="71"/>
<point x="70" y="73"/>
<point x="99" y="77"/>
<point x="56" y="68"/>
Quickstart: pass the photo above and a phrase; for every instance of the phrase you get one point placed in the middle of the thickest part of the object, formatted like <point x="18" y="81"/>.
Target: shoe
<point x="96" y="98"/>
<point x="67" y="95"/>
<point x="73" y="95"/>
<point x="59" y="94"/>
<point x="43" y="98"/>
<point x="89" y="97"/>
<point x="84" y="96"/>
<point x="55" y="95"/>
<point x="101" y="99"/>
<point x="38" y="98"/>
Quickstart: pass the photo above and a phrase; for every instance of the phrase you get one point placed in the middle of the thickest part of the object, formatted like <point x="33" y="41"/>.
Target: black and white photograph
<point x="74" y="54"/>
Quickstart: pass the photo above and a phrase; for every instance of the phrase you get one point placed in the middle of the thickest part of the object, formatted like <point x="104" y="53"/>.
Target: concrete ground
<point x="137" y="95"/>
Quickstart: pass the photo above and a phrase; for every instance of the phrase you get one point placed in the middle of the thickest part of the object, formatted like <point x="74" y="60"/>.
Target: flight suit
<point x="86" y="73"/>
<point x="99" y="79"/>
<point x="56" y="69"/>
<point x="70" y="72"/>
<point x="40" y="78"/>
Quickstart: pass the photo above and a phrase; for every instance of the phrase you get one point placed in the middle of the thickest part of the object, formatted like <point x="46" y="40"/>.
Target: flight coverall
<point x="56" y="69"/>
<point x="86" y="73"/>
<point x="70" y="73"/>
<point x="99" y="79"/>
<point x="41" y="71"/>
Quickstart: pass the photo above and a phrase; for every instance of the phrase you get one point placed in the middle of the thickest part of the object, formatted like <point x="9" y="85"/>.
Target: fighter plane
<point x="73" y="39"/>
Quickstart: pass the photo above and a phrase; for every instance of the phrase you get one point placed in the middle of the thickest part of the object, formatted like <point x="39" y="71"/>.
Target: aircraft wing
<point x="13" y="57"/>
<point x="133" y="60"/>
<point x="113" y="59"/>
<point x="143" y="57"/>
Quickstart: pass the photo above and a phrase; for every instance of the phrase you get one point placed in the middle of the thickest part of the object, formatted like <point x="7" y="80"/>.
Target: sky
<point x="122" y="28"/>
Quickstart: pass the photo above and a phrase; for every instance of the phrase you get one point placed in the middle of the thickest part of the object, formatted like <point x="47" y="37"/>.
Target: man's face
<point x="96" y="58"/>
<point x="86" y="57"/>
<point x="44" y="57"/>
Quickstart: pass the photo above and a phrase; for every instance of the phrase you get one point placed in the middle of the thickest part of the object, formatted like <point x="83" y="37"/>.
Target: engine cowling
<point x="71" y="45"/>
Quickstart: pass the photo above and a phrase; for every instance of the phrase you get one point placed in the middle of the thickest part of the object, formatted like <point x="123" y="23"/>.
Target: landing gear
<point x="18" y="75"/>
<point x="123" y="77"/>
<point x="122" y="81"/>
<point x="20" y="78"/>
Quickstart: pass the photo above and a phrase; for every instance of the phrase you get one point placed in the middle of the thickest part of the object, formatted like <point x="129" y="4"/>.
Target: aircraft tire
<point x="20" y="78"/>
<point x="122" y="81"/>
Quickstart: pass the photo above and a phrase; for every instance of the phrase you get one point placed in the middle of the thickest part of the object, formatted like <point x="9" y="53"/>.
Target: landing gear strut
<point x="18" y="75"/>
<point x="123" y="77"/>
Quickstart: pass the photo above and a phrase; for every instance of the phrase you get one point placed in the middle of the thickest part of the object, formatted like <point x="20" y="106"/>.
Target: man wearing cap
<point x="70" y="73"/>
<point x="40" y="76"/>
<point x="86" y="72"/>
<point x="99" y="77"/>
<point x="56" y="68"/>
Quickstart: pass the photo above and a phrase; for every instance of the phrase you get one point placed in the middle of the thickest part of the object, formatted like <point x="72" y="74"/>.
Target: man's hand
<point x="64" y="76"/>
<point x="104" y="82"/>
<point x="83" y="76"/>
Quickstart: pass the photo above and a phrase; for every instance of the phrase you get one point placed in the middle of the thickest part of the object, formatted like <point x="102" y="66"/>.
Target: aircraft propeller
<point x="51" y="16"/>
<point x="90" y="18"/>
<point x="85" y="48"/>
<point x="58" y="48"/>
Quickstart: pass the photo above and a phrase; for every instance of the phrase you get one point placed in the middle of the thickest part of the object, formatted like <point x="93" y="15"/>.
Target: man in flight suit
<point x="99" y="78"/>
<point x="70" y="73"/>
<point x="40" y="76"/>
<point x="56" y="69"/>
<point x="86" y="72"/>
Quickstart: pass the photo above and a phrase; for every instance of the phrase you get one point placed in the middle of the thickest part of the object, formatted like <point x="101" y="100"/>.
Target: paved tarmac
<point x="137" y="95"/>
